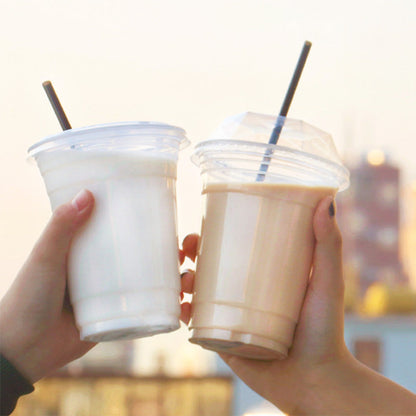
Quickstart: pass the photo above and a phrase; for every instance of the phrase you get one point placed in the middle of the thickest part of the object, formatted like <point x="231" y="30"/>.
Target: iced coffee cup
<point x="123" y="264"/>
<point x="257" y="241"/>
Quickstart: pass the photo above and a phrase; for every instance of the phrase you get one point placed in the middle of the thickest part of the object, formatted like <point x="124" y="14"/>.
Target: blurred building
<point x="244" y="398"/>
<point x="408" y="243"/>
<point x="369" y="218"/>
<point x="381" y="299"/>
<point x="116" y="395"/>
<point x="105" y="382"/>
<point x="386" y="344"/>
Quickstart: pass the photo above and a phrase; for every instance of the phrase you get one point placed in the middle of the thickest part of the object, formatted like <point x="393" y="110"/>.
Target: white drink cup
<point x="123" y="264"/>
<point x="257" y="241"/>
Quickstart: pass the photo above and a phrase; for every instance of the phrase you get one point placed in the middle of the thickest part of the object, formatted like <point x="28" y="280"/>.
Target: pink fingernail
<point x="81" y="200"/>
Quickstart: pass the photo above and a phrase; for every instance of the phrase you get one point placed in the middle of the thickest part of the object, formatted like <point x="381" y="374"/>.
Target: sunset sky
<point x="192" y="63"/>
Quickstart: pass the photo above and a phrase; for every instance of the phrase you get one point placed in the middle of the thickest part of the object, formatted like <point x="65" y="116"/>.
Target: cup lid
<point x="295" y="134"/>
<point x="114" y="135"/>
<point x="238" y="151"/>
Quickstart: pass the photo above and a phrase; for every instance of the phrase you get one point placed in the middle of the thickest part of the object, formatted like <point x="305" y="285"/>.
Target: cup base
<point x="127" y="328"/>
<point x="239" y="343"/>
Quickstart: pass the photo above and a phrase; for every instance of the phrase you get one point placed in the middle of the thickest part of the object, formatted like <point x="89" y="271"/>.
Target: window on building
<point x="387" y="237"/>
<point x="368" y="351"/>
<point x="388" y="193"/>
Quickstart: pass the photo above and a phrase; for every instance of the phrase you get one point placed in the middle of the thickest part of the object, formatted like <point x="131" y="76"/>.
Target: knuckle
<point x="62" y="212"/>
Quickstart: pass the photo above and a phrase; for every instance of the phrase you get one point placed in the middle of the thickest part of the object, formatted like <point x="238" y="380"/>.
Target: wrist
<point x="325" y="386"/>
<point x="348" y="387"/>
<point x="23" y="362"/>
<point x="20" y="352"/>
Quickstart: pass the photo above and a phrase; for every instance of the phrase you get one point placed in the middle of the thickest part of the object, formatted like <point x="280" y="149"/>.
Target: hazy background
<point x="192" y="63"/>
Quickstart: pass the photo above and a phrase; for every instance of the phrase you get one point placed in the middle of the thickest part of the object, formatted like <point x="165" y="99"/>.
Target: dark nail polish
<point x="331" y="209"/>
<point x="184" y="273"/>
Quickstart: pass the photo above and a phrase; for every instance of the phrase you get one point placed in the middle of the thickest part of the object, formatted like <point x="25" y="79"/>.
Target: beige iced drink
<point x="255" y="256"/>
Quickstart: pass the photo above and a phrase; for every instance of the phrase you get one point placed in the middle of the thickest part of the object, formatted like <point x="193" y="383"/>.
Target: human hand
<point x="320" y="376"/>
<point x="37" y="324"/>
<point x="38" y="332"/>
<point x="318" y="349"/>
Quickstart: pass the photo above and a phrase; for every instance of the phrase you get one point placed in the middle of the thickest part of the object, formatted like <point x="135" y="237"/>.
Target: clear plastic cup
<point x="123" y="264"/>
<point x="257" y="241"/>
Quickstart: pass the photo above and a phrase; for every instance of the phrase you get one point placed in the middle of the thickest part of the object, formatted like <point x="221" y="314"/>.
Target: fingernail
<point x="331" y="209"/>
<point x="81" y="200"/>
<point x="184" y="273"/>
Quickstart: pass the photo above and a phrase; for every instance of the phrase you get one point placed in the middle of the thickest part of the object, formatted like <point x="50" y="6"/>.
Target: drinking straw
<point x="56" y="105"/>
<point x="285" y="108"/>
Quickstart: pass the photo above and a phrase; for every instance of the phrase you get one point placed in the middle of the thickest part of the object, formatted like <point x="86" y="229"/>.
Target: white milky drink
<point x="123" y="264"/>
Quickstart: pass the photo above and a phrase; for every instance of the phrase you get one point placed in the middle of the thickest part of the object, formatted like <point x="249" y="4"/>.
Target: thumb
<point x="54" y="242"/>
<point x="320" y="325"/>
<point x="327" y="277"/>
<point x="326" y="286"/>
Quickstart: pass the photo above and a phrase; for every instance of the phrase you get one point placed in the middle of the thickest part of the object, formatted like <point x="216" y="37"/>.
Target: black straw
<point x="290" y="93"/>
<point x="284" y="109"/>
<point x="56" y="105"/>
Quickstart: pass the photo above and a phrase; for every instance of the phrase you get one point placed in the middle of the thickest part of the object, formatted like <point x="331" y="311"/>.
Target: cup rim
<point x="198" y="148"/>
<point x="126" y="129"/>
<point x="260" y="149"/>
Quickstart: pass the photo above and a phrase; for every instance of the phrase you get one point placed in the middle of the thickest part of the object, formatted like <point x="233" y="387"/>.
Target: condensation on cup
<point x="123" y="264"/>
<point x="257" y="241"/>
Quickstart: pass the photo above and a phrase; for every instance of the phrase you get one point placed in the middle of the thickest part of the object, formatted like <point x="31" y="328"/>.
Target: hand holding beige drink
<point x="257" y="238"/>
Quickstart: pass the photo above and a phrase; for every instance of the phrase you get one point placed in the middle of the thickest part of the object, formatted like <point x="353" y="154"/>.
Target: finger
<point x="190" y="246"/>
<point x="181" y="255"/>
<point x="187" y="281"/>
<point x="54" y="243"/>
<point x="185" y="315"/>
<point x="327" y="263"/>
<point x="67" y="305"/>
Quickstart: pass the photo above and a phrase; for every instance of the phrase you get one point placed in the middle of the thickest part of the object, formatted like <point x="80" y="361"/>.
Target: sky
<point x="192" y="63"/>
